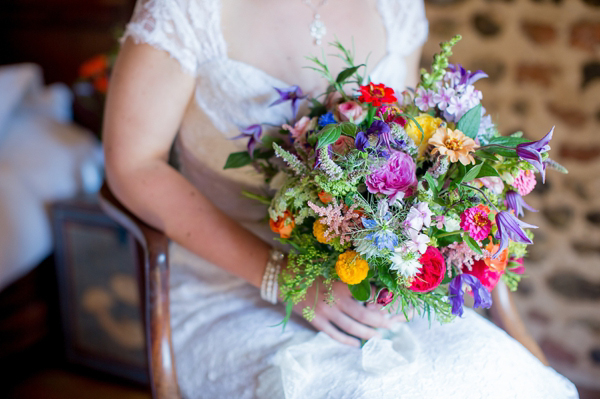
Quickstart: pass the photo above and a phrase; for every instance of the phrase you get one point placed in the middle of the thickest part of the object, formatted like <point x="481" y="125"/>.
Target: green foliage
<point x="361" y="291"/>
<point x="440" y="63"/>
<point x="469" y="123"/>
<point x="328" y="135"/>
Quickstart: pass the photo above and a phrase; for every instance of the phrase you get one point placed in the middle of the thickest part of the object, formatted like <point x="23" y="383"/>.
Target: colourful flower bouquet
<point x="418" y="198"/>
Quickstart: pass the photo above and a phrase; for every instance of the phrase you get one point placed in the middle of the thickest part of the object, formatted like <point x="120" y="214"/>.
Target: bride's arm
<point x="148" y="95"/>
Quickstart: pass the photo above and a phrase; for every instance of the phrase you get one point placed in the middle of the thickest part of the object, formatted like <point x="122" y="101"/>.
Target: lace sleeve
<point x="183" y="28"/>
<point x="406" y="23"/>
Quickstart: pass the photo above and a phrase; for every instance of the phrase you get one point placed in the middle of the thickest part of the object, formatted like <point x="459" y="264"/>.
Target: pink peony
<point x="343" y="145"/>
<point x="475" y="221"/>
<point x="488" y="277"/>
<point x="301" y="127"/>
<point x="351" y="111"/>
<point x="525" y="182"/>
<point x="396" y="178"/>
<point x="432" y="273"/>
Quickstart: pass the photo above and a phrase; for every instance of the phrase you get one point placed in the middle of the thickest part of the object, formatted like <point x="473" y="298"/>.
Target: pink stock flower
<point x="343" y="145"/>
<point x="301" y="127"/>
<point x="396" y="178"/>
<point x="525" y="182"/>
<point x="351" y="111"/>
<point x="475" y="221"/>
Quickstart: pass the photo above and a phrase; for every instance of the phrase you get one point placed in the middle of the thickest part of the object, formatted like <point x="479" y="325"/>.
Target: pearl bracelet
<point x="269" y="286"/>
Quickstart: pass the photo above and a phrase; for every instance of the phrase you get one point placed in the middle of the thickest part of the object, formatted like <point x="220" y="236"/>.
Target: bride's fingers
<point x="324" y="325"/>
<point x="351" y="326"/>
<point x="400" y="317"/>
<point x="369" y="316"/>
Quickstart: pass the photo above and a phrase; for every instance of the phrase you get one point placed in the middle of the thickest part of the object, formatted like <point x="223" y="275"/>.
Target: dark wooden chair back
<point x="154" y="272"/>
<point x="155" y="287"/>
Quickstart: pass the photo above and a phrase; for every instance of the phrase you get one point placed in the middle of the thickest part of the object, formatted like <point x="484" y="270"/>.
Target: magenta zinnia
<point x="476" y="222"/>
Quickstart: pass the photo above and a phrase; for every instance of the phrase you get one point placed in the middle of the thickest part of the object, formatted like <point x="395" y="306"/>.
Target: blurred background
<point x="70" y="325"/>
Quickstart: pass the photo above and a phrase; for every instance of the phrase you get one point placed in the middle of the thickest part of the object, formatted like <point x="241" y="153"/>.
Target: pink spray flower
<point x="396" y="178"/>
<point x="525" y="182"/>
<point x="300" y="128"/>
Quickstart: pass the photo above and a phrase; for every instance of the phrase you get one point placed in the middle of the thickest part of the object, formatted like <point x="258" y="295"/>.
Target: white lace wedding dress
<point x="224" y="344"/>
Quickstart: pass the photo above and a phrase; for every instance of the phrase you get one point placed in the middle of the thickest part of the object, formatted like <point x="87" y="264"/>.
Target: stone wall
<point x="543" y="58"/>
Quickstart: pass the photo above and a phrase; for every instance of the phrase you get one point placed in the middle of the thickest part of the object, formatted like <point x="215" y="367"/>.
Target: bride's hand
<point x="346" y="318"/>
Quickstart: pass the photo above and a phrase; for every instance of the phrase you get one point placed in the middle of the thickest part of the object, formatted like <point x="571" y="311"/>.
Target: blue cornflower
<point x="326" y="119"/>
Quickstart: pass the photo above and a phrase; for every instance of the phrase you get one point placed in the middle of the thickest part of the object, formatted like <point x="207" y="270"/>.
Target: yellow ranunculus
<point x="351" y="268"/>
<point x="429" y="124"/>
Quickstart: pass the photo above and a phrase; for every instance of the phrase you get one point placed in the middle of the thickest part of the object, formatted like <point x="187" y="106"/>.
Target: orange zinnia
<point x="284" y="225"/>
<point x="454" y="144"/>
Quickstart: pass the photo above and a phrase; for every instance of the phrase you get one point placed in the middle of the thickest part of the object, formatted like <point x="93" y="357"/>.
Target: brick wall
<point x="543" y="58"/>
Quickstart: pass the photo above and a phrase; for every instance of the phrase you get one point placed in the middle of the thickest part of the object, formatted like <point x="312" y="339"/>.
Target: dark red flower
<point x="377" y="94"/>
<point x="432" y="271"/>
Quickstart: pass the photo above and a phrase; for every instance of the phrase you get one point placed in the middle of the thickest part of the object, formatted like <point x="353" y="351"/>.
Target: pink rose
<point x="396" y="178"/>
<point x="343" y="145"/>
<point x="301" y="127"/>
<point x="351" y="111"/>
<point x="494" y="184"/>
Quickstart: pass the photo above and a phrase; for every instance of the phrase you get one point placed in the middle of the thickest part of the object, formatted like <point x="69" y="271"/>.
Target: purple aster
<point x="361" y="142"/>
<point x="424" y="99"/>
<point x="293" y="94"/>
<point x="515" y="202"/>
<point x="456" y="293"/>
<point x="326" y="119"/>
<point x="253" y="133"/>
<point x="382" y="131"/>
<point x="532" y="152"/>
<point x="510" y="228"/>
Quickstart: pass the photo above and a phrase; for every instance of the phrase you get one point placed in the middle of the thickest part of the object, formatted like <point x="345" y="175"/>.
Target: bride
<point x="190" y="74"/>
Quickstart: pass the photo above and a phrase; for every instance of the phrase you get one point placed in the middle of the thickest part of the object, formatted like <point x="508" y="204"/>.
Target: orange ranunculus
<point x="325" y="197"/>
<point x="284" y="225"/>
<point x="94" y="66"/>
<point x="498" y="264"/>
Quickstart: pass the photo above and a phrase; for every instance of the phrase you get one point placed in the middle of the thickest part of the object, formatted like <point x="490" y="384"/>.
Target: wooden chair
<point x="155" y="295"/>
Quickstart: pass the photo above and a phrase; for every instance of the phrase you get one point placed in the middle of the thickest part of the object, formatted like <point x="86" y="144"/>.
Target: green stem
<point x="448" y="234"/>
<point x="482" y="193"/>
<point x="259" y="198"/>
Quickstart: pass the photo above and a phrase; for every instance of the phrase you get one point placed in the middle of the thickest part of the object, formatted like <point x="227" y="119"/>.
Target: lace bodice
<point x="231" y="94"/>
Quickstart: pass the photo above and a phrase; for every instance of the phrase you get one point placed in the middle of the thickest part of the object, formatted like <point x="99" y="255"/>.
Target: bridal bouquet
<point x="417" y="196"/>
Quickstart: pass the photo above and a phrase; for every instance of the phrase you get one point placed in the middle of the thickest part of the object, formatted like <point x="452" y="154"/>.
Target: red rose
<point x="377" y="94"/>
<point x="488" y="277"/>
<point x="432" y="271"/>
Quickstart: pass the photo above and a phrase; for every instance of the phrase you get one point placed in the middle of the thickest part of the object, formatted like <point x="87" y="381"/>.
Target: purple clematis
<point x="482" y="296"/>
<point x="361" y="141"/>
<point x="253" y="133"/>
<point x="382" y="131"/>
<point x="515" y="202"/>
<point x="467" y="77"/>
<point x="532" y="152"/>
<point x="293" y="94"/>
<point x="510" y="228"/>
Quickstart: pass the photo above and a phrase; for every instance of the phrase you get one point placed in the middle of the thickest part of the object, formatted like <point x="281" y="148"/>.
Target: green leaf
<point x="505" y="152"/>
<point x="328" y="135"/>
<point x="469" y="123"/>
<point x="386" y="278"/>
<point x="361" y="291"/>
<point x="487" y="170"/>
<point x="417" y="124"/>
<point x="371" y="115"/>
<point x="483" y="154"/>
<point x="472" y="173"/>
<point x="317" y="108"/>
<point x="432" y="185"/>
<point x="346" y="73"/>
<point x="237" y="160"/>
<point x="349" y="129"/>
<point x="508" y="141"/>
<point x="472" y="244"/>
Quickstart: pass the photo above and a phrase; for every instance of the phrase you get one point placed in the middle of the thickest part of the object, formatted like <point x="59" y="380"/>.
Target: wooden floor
<point x="66" y="384"/>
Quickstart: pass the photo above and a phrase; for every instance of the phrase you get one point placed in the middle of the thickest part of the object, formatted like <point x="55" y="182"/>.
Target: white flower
<point x="419" y="216"/>
<point x="418" y="242"/>
<point x="407" y="264"/>
<point x="451" y="223"/>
